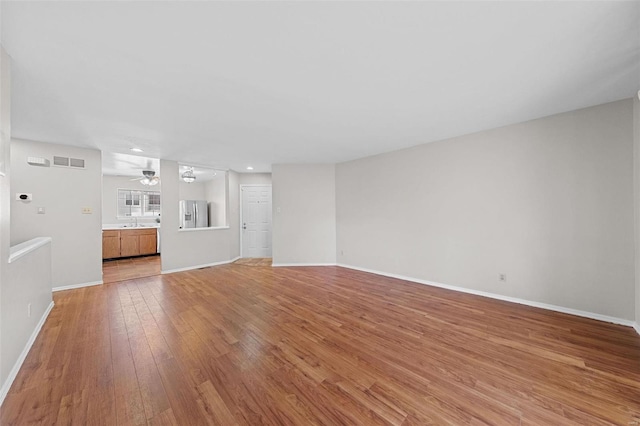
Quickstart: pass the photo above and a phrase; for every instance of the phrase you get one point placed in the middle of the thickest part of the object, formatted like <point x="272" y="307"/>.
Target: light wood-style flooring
<point x="129" y="268"/>
<point x="254" y="261"/>
<point x="237" y="345"/>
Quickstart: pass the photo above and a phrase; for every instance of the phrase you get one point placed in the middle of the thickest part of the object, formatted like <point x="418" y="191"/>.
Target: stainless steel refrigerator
<point x="193" y="214"/>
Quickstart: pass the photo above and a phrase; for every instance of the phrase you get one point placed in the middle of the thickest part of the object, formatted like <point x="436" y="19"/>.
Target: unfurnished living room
<point x="319" y="213"/>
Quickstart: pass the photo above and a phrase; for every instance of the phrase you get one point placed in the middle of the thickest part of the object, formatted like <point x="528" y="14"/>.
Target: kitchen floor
<point x="130" y="268"/>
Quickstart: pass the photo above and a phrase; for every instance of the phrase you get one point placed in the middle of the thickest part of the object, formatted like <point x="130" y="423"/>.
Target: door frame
<point x="251" y="185"/>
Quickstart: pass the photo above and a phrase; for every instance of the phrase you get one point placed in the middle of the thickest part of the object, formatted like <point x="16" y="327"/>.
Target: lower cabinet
<point x="128" y="242"/>
<point x="129" y="245"/>
<point x="147" y="244"/>
<point x="110" y="244"/>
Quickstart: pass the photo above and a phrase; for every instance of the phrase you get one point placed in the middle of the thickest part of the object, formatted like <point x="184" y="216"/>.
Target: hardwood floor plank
<point x="214" y="406"/>
<point x="154" y="398"/>
<point x="247" y="344"/>
<point x="166" y="418"/>
<point x="116" y="270"/>
<point x="128" y="403"/>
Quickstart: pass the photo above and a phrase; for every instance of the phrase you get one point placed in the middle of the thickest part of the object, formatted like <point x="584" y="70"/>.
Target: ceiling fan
<point x="148" y="178"/>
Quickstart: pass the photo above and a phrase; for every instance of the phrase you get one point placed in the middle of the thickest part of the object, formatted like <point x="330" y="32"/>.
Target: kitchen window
<point x="133" y="203"/>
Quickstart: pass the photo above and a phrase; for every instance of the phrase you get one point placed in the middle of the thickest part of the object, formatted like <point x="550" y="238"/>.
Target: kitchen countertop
<point x="117" y="226"/>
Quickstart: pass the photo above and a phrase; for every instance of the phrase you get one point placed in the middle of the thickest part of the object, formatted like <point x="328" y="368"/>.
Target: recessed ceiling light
<point x="136" y="150"/>
<point x="249" y="168"/>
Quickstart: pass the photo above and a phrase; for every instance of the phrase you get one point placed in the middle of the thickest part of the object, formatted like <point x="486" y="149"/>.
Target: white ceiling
<point x="116" y="164"/>
<point x="232" y="84"/>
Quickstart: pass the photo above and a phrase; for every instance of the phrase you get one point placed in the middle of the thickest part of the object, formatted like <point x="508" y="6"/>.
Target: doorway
<point x="131" y="198"/>
<point x="255" y="221"/>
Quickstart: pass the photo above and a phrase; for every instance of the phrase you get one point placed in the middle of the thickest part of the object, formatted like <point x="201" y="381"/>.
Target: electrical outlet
<point x="28" y="310"/>
<point x="502" y="278"/>
<point x="40" y="210"/>
<point x="87" y="210"/>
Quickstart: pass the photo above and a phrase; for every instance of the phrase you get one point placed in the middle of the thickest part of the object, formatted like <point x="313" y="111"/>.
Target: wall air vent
<point x="61" y="161"/>
<point x="75" y="163"/>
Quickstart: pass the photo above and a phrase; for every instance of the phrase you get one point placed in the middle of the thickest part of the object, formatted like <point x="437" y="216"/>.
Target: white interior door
<point x="256" y="221"/>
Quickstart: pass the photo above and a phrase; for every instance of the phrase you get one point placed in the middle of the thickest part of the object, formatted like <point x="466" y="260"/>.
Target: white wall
<point x="5" y="133"/>
<point x="183" y="249"/>
<point x="28" y="279"/>
<point x="636" y="193"/>
<point x="110" y="186"/>
<point x="233" y="212"/>
<point x="192" y="191"/>
<point x="254" y="178"/>
<point x="217" y="195"/>
<point x="63" y="192"/>
<point x="304" y="227"/>
<point x="548" y="202"/>
<point x="28" y="282"/>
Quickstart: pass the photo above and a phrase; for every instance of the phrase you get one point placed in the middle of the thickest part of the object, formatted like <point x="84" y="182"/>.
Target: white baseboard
<point x="280" y="265"/>
<point x="16" y="367"/>
<point x="547" y="306"/>
<point x="206" y="265"/>
<point x="636" y="326"/>
<point x="72" y="286"/>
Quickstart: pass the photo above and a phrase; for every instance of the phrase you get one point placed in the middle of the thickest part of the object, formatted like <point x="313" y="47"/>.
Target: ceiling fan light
<point x="189" y="176"/>
<point x="149" y="178"/>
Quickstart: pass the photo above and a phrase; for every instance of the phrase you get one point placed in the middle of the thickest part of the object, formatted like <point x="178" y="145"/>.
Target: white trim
<point x="72" y="286"/>
<point x="208" y="228"/>
<point x="636" y="326"/>
<point x="206" y="265"/>
<point x="282" y="265"/>
<point x="16" y="367"/>
<point x="556" y="308"/>
<point x="254" y="185"/>
<point x="22" y="249"/>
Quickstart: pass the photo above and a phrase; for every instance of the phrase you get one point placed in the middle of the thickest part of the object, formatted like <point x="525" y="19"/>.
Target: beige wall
<point x="110" y="186"/>
<point x="547" y="202"/>
<point x="304" y="228"/>
<point x="76" y="248"/>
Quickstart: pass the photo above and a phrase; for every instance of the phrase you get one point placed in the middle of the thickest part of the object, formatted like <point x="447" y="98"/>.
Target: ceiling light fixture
<point x="149" y="178"/>
<point x="189" y="176"/>
<point x="136" y="150"/>
<point x="249" y="168"/>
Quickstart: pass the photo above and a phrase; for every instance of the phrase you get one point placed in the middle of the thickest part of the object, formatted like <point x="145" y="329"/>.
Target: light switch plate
<point x="40" y="210"/>
<point x="87" y="210"/>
